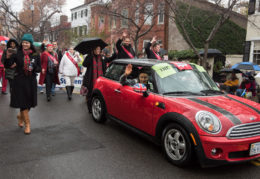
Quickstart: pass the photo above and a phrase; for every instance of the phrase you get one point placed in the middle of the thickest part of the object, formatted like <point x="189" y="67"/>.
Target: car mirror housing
<point x="145" y="94"/>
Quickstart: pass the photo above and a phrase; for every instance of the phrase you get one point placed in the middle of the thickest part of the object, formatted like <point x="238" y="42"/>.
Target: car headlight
<point x="208" y="122"/>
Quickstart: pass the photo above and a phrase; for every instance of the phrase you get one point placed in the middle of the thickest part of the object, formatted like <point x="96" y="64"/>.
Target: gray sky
<point x="69" y="4"/>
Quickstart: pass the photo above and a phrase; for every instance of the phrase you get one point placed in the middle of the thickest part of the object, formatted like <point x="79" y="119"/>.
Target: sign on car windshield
<point x="164" y="69"/>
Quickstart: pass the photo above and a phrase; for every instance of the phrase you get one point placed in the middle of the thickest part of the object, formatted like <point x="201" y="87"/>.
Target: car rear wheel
<point x="177" y="145"/>
<point x="98" y="109"/>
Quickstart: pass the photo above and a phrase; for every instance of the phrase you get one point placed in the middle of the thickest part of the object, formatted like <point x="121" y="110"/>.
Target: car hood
<point x="237" y="109"/>
<point x="230" y="109"/>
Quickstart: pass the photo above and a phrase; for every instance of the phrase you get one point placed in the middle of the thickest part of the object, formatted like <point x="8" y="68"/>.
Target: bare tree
<point x="181" y="18"/>
<point x="30" y="20"/>
<point x="137" y="16"/>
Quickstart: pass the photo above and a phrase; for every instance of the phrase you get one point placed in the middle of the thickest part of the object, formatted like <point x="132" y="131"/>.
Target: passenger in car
<point x="142" y="77"/>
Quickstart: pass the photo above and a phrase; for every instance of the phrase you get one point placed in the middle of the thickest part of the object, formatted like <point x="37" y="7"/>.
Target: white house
<point x="252" y="44"/>
<point x="81" y="17"/>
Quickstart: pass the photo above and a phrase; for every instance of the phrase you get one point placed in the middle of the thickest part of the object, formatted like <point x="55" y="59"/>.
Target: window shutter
<point x="251" y="8"/>
<point x="247" y="51"/>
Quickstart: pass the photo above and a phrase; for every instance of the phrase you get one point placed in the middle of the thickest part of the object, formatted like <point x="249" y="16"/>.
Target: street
<point x="66" y="143"/>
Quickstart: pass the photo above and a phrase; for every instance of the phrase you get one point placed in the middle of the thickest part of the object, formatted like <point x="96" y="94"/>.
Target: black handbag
<point x="9" y="73"/>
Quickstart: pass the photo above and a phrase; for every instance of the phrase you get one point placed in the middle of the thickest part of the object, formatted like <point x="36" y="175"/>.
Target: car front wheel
<point x="98" y="109"/>
<point x="177" y="145"/>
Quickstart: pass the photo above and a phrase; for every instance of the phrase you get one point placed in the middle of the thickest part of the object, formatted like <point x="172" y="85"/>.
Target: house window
<point x="137" y="14"/>
<point x="72" y="17"/>
<point x="113" y="22"/>
<point x="124" y="22"/>
<point x="148" y="14"/>
<point x="80" y="31"/>
<point x="256" y="53"/>
<point x="85" y="30"/>
<point x="81" y="14"/>
<point x="86" y="12"/>
<point x="161" y="14"/>
<point x="145" y="42"/>
<point x="101" y="23"/>
<point x="75" y="15"/>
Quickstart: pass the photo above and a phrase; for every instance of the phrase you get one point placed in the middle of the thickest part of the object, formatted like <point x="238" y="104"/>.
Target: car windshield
<point x="186" y="82"/>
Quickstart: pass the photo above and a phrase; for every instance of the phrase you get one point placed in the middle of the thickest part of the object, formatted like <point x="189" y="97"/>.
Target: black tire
<point x="98" y="109"/>
<point x="177" y="145"/>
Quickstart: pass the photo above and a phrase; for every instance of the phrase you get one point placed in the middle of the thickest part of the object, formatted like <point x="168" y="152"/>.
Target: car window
<point x="114" y="71"/>
<point x="136" y="70"/>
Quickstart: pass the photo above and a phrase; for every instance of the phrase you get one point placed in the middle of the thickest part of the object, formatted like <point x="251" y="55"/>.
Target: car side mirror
<point x="145" y="94"/>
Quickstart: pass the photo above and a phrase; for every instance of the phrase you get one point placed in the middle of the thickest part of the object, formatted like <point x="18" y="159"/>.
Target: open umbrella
<point x="246" y="66"/>
<point x="230" y="70"/>
<point x="3" y="38"/>
<point x="88" y="44"/>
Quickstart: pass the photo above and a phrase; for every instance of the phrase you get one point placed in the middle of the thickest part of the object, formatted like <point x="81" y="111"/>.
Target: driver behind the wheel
<point x="142" y="77"/>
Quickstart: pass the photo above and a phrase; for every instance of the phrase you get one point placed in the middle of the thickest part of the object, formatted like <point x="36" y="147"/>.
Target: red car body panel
<point x="143" y="114"/>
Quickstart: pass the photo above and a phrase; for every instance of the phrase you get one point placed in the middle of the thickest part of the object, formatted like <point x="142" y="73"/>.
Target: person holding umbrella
<point x="24" y="87"/>
<point x="49" y="73"/>
<point x="70" y="69"/>
<point x="124" y="47"/>
<point x="96" y="66"/>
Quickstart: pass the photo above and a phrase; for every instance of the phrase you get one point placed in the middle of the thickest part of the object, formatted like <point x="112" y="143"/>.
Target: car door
<point x="111" y="89"/>
<point x="136" y="109"/>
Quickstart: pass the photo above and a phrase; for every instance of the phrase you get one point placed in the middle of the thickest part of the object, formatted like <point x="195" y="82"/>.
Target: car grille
<point x="244" y="131"/>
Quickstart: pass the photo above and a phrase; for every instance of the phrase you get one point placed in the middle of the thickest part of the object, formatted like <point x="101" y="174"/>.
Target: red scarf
<point x="127" y="52"/>
<point x="73" y="61"/>
<point x="157" y="56"/>
<point x="53" y="59"/>
<point x="97" y="68"/>
<point x="27" y="62"/>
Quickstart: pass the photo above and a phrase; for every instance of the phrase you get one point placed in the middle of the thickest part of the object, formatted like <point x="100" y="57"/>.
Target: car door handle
<point x="117" y="90"/>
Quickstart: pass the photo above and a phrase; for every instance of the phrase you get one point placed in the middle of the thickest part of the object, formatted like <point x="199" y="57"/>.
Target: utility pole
<point x="32" y="9"/>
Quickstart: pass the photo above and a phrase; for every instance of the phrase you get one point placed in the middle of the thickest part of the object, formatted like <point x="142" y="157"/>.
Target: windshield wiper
<point x="212" y="91"/>
<point x="182" y="93"/>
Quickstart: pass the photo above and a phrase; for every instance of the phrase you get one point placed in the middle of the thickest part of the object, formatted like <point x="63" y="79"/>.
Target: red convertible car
<point x="183" y="110"/>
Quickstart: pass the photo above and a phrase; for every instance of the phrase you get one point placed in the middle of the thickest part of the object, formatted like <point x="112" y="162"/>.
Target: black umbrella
<point x="230" y="70"/>
<point x="88" y="44"/>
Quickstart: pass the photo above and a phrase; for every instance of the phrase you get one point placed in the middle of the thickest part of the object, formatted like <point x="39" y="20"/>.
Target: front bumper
<point x="229" y="150"/>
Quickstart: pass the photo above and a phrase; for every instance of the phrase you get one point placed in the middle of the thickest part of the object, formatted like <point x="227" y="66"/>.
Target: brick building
<point x="112" y="27"/>
<point x="60" y="33"/>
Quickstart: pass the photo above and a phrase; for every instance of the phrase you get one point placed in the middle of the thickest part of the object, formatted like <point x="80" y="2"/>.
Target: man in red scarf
<point x="2" y="69"/>
<point x="124" y="47"/>
<point x="152" y="49"/>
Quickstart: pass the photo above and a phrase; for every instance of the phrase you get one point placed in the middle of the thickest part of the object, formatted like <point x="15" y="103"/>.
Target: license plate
<point x="254" y="149"/>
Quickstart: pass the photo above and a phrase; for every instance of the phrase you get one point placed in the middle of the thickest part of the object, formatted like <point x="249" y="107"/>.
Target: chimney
<point x="63" y="19"/>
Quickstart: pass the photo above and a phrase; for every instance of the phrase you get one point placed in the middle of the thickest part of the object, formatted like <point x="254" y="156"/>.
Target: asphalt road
<point x="66" y="143"/>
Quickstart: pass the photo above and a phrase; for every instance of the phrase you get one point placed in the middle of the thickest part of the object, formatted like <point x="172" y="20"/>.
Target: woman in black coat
<point x="96" y="66"/>
<point x="24" y="92"/>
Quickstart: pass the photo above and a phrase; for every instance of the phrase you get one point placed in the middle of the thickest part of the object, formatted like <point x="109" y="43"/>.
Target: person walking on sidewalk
<point x="2" y="69"/>
<point x="24" y="91"/>
<point x="49" y="72"/>
<point x="70" y="69"/>
<point x="152" y="49"/>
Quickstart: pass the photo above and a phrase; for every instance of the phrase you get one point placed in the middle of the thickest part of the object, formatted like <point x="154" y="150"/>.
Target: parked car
<point x="183" y="110"/>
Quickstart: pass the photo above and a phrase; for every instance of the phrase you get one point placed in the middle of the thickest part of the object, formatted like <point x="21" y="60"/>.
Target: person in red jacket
<point x="50" y="68"/>
<point x="2" y="69"/>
